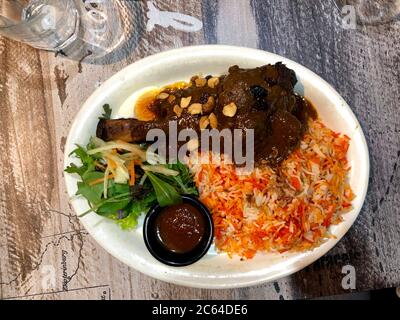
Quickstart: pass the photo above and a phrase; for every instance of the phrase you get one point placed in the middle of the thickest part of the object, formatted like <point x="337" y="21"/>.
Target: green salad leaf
<point x="124" y="203"/>
<point x="88" y="162"/>
<point x="166" y="194"/>
<point x="136" y="209"/>
<point x="91" y="176"/>
<point x="115" y="189"/>
<point x="107" y="112"/>
<point x="91" y="193"/>
<point x="73" y="168"/>
<point x="113" y="207"/>
<point x="184" y="181"/>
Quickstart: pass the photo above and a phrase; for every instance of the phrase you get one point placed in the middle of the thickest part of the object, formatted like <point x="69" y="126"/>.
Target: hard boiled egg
<point x="139" y="97"/>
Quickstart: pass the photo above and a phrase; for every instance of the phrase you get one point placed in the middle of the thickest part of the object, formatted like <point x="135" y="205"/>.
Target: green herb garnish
<point x="166" y="194"/>
<point x="124" y="202"/>
<point x="107" y="112"/>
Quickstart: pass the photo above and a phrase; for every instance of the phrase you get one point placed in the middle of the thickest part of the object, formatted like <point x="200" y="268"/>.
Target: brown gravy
<point x="180" y="228"/>
<point x="265" y="102"/>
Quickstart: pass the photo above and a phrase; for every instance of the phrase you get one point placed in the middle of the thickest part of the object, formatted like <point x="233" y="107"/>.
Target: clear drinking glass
<point x="63" y="25"/>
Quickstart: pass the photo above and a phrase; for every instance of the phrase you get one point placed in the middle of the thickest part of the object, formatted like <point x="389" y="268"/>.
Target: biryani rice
<point x="276" y="210"/>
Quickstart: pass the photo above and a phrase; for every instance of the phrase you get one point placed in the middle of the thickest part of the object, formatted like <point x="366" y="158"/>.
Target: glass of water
<point x="63" y="25"/>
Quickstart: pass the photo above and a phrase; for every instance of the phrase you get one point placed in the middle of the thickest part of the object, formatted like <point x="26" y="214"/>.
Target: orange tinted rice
<point x="277" y="210"/>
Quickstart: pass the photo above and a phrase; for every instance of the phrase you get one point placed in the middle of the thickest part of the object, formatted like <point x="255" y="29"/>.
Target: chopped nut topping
<point x="171" y="98"/>
<point x="185" y="102"/>
<point x="209" y="105"/>
<point x="178" y="110"/>
<point x="200" y="82"/>
<point x="213" y="82"/>
<point x="195" y="108"/>
<point x="163" y="96"/>
<point x="204" y="122"/>
<point x="229" y="110"/>
<point x="213" y="121"/>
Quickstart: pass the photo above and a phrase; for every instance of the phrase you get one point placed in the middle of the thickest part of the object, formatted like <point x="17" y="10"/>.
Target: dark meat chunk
<point x="256" y="121"/>
<point x="264" y="99"/>
<point x="237" y="85"/>
<point x="129" y="130"/>
<point x="303" y="111"/>
<point x="133" y="130"/>
<point x="283" y="137"/>
<point x="260" y="95"/>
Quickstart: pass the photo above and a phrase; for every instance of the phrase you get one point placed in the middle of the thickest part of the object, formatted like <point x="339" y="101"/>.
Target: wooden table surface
<point x="44" y="251"/>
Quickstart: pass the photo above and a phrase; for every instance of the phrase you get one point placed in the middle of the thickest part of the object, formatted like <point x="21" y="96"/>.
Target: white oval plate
<point x="214" y="270"/>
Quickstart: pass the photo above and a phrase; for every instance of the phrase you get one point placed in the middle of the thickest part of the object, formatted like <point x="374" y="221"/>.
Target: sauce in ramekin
<point x="180" y="228"/>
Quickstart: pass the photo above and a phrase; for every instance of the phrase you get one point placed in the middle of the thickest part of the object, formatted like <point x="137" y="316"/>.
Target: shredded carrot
<point x="329" y="215"/>
<point x="97" y="181"/>
<point x="295" y="182"/>
<point x="131" y="169"/>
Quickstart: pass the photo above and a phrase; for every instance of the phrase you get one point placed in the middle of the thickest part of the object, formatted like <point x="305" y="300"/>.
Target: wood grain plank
<point x="28" y="161"/>
<point x="210" y="11"/>
<point x="236" y="24"/>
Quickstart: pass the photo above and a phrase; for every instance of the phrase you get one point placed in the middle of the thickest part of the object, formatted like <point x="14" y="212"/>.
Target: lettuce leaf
<point x="166" y="194"/>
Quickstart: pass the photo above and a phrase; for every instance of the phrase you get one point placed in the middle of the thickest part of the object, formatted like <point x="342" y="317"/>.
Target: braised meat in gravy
<point x="262" y="99"/>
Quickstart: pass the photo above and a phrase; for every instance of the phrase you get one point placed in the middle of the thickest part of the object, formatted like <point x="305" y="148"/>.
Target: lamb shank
<point x="262" y="99"/>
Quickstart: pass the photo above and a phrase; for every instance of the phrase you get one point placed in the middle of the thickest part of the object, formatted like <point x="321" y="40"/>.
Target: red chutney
<point x="180" y="228"/>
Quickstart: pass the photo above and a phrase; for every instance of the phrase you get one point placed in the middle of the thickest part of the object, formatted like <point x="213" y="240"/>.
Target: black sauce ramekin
<point x="168" y="257"/>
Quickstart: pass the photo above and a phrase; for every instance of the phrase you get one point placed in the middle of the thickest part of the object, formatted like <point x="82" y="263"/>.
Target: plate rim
<point x="299" y="265"/>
